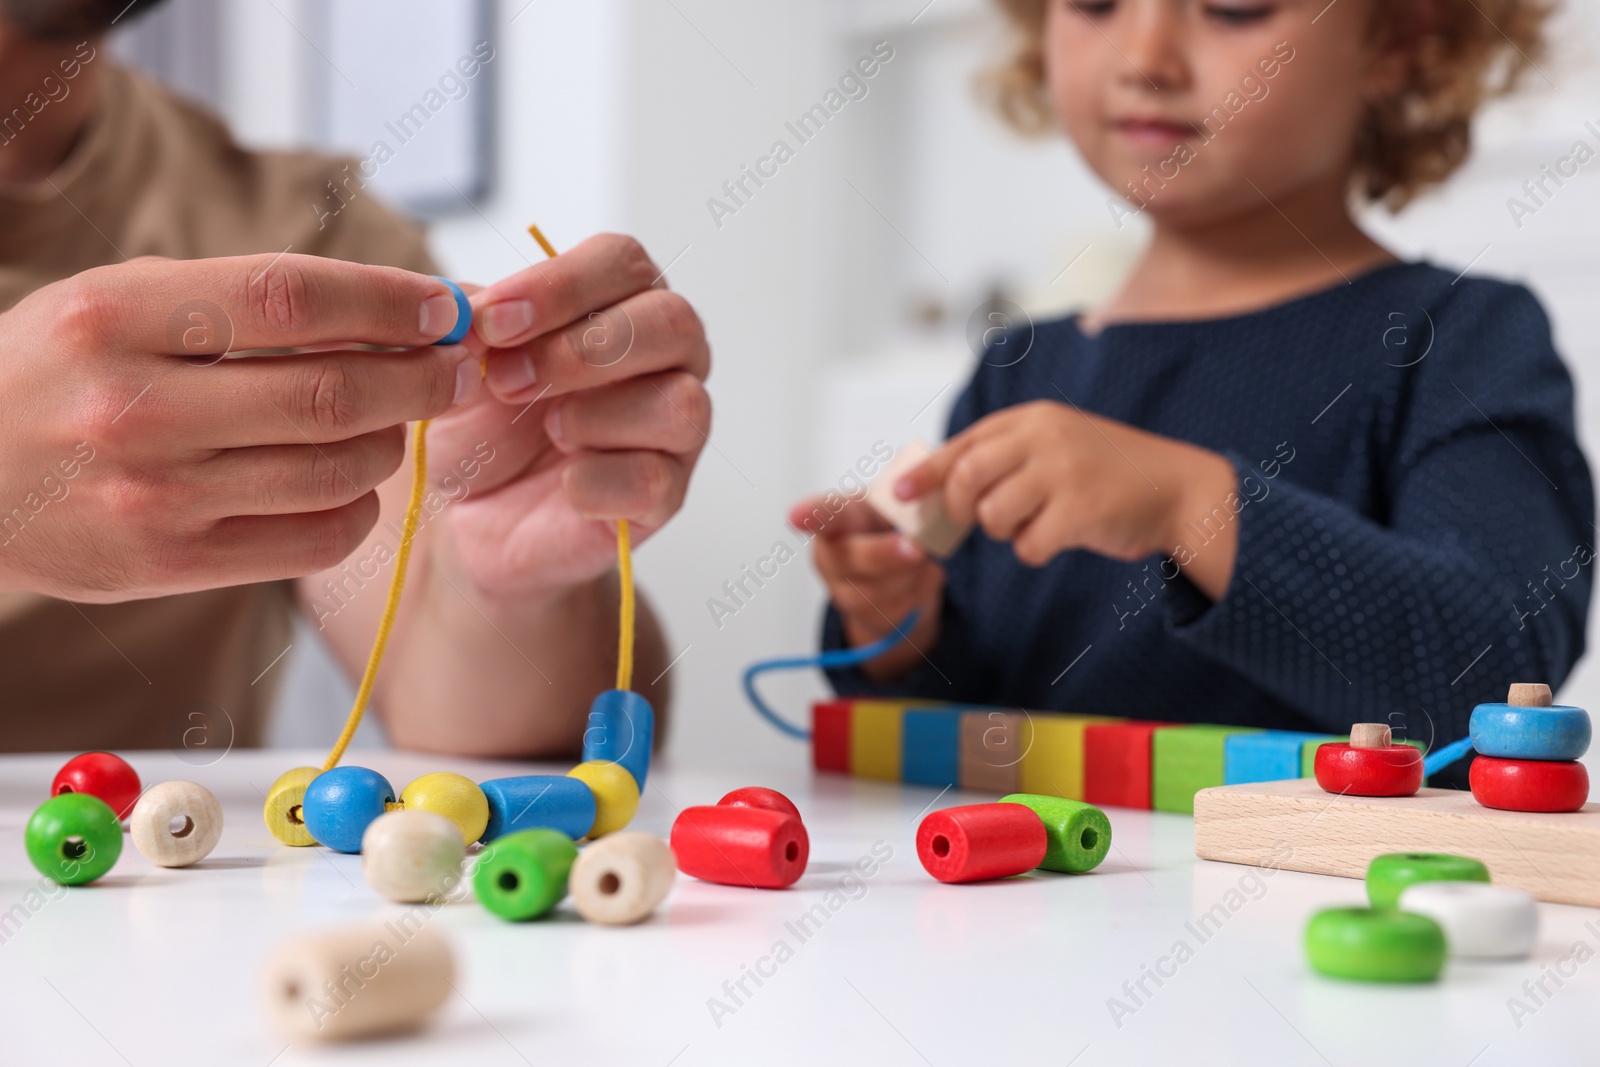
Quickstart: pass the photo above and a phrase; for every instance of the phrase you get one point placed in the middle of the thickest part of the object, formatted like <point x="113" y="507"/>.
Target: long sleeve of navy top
<point x="1414" y="519"/>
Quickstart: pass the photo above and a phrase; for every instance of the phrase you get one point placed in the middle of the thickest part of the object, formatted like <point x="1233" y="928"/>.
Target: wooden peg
<point x="1370" y="735"/>
<point x="621" y="879"/>
<point x="175" y="824"/>
<point x="1530" y="695"/>
<point x="358" y="982"/>
<point x="413" y="856"/>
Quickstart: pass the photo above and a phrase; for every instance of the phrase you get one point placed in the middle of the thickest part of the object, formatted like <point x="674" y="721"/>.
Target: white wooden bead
<point x="175" y="824"/>
<point x="358" y="982"/>
<point x="412" y="856"/>
<point x="621" y="878"/>
<point x="1479" y="919"/>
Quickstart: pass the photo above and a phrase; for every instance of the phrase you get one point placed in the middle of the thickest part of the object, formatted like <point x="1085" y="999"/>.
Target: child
<point x="1282" y="478"/>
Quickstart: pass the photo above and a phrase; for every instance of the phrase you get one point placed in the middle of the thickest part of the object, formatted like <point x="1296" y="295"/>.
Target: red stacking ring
<point x="755" y="796"/>
<point x="737" y="845"/>
<point x="1529" y="784"/>
<point x="1387" y="771"/>
<point x="979" y="841"/>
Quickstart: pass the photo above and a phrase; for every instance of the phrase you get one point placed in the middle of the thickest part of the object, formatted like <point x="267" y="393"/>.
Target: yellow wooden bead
<point x="616" y="794"/>
<point x="456" y="798"/>
<point x="282" y="810"/>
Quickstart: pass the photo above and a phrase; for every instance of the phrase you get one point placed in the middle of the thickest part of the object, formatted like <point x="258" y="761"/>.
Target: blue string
<point x="1442" y="758"/>
<point x="846" y="657"/>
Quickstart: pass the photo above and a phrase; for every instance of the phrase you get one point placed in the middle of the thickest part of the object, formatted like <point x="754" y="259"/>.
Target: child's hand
<point x="875" y="576"/>
<point x="1049" y="477"/>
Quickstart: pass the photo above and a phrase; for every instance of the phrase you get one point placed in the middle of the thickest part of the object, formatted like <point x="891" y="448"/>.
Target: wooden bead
<point x="1481" y="921"/>
<point x="924" y="518"/>
<point x="622" y="728"/>
<point x="622" y="879"/>
<point x="1079" y="834"/>
<point x="1395" y="771"/>
<point x="355" y="983"/>
<point x="1530" y="695"/>
<point x="455" y="797"/>
<point x="1375" y="945"/>
<point x="616" y="794"/>
<point x="341" y="803"/>
<point x="1371" y="735"/>
<point x="100" y="774"/>
<point x="1529" y="785"/>
<point x="1389" y="874"/>
<point x="412" y="856"/>
<point x="284" y="811"/>
<point x="743" y="846"/>
<point x="523" y="875"/>
<point x="755" y="796"/>
<point x="981" y="841"/>
<point x="1506" y="731"/>
<point x="533" y="801"/>
<point x="175" y="824"/>
<point x="73" y="838"/>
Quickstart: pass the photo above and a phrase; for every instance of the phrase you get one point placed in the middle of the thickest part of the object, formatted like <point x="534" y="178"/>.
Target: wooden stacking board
<point x="1296" y="826"/>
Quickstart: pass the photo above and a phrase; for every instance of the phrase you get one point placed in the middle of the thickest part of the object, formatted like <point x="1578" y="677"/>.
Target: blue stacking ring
<point x="458" y="332"/>
<point x="1507" y="731"/>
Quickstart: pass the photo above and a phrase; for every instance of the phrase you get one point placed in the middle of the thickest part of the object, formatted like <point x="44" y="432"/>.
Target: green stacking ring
<point x="1389" y="874"/>
<point x="1375" y="945"/>
<point x="1078" y="835"/>
<point x="523" y="875"/>
<point x="73" y="838"/>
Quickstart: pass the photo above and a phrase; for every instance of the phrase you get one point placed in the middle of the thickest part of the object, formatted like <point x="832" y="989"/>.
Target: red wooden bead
<point x="830" y="735"/>
<point x="979" y="841"/>
<point x="100" y="774"/>
<point x="1528" y="784"/>
<point x="738" y="845"/>
<point x="1389" y="771"/>
<point x="755" y="796"/>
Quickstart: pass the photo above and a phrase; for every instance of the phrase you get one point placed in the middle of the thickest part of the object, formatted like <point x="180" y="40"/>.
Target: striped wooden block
<point x="1116" y="763"/>
<point x="876" y="730"/>
<point x="1053" y="763"/>
<point x="830" y="735"/>
<point x="1268" y="756"/>
<point x="930" y="746"/>
<point x="1185" y="760"/>
<point x="992" y="744"/>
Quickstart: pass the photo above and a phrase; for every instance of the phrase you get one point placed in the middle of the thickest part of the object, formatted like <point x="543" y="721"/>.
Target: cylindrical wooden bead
<point x="533" y="801"/>
<point x="622" y="728"/>
<point x="341" y="803"/>
<point x="1079" y="834"/>
<point x="457" y="798"/>
<point x="100" y="774"/>
<point x="616" y="794"/>
<point x="622" y="879"/>
<point x="1395" y="771"/>
<point x="1505" y="731"/>
<point x="1390" y="874"/>
<point x="981" y="841"/>
<point x="755" y="796"/>
<point x="284" y="810"/>
<point x="175" y="824"/>
<point x="735" y="845"/>
<point x="523" y="875"/>
<point x="1479" y="920"/>
<point x="1529" y="785"/>
<point x="73" y="838"/>
<point x="412" y="856"/>
<point x="359" y="982"/>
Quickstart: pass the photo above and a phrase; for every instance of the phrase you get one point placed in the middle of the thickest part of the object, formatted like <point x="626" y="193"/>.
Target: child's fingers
<point x="867" y="557"/>
<point x="879" y="605"/>
<point x="814" y="515"/>
<point x="1009" y="503"/>
<point x="982" y="465"/>
<point x="930" y="474"/>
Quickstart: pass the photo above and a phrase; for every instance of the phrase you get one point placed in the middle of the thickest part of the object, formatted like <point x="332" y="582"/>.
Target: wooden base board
<point x="1296" y="826"/>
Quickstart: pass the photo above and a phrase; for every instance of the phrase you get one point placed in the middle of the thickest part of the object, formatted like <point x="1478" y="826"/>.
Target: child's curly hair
<point x="1463" y="52"/>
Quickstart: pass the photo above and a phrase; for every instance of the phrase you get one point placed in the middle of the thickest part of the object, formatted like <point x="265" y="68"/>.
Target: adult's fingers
<point x="260" y="548"/>
<point x="664" y="412"/>
<point x="290" y="479"/>
<point x="643" y="487"/>
<point x="597" y="273"/>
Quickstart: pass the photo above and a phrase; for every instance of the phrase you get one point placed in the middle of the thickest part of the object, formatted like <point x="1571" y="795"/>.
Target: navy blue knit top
<point x="1414" y="519"/>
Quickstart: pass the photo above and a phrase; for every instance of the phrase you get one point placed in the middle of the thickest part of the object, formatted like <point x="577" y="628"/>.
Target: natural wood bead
<point x="622" y="879"/>
<point x="1370" y="735"/>
<point x="284" y="809"/>
<point x="1530" y="695"/>
<point x="412" y="856"/>
<point x="358" y="982"/>
<point x="175" y="824"/>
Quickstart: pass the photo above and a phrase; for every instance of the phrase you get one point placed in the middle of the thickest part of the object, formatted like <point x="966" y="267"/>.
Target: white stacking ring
<point x="1479" y="919"/>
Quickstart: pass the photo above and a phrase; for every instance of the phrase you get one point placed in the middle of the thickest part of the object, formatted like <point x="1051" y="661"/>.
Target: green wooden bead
<point x="1375" y="945"/>
<point x="523" y="875"/>
<point x="1078" y="834"/>
<point x="74" y="838"/>
<point x="1390" y="873"/>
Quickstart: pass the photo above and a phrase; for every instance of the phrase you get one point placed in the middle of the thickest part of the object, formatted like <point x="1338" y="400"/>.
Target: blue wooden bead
<point x="622" y="729"/>
<point x="534" y="801"/>
<point x="341" y="803"/>
<point x="458" y="332"/>
<point x="1507" y="731"/>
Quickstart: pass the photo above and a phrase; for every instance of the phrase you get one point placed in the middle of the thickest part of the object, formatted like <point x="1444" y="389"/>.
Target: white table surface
<point x="159" y="967"/>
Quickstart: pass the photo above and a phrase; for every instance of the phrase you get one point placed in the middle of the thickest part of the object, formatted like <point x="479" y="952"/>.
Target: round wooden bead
<point x="73" y="838"/>
<point x="100" y="774"/>
<point x="737" y="845"/>
<point x="539" y="801"/>
<point x="622" y="879"/>
<point x="1388" y="875"/>
<point x="284" y="810"/>
<point x="755" y="796"/>
<point x="455" y="797"/>
<point x="981" y="841"/>
<point x="412" y="856"/>
<point x="341" y="803"/>
<point x="1395" y="771"/>
<point x="356" y="983"/>
<point x="1079" y="834"/>
<point x="175" y="824"/>
<point x="523" y="875"/>
<point x="1506" y="731"/>
<point x="616" y="794"/>
<point x="622" y="728"/>
<point x="1375" y="945"/>
<point x="1485" y="921"/>
<point x="1529" y="785"/>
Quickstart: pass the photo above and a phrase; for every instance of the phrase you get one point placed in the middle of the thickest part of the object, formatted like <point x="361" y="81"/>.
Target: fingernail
<point x="512" y="375"/>
<point x="469" y="379"/>
<point x="909" y="548"/>
<point x="552" y="426"/>
<point x="905" y="488"/>
<point x="438" y="315"/>
<point x="505" y="321"/>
